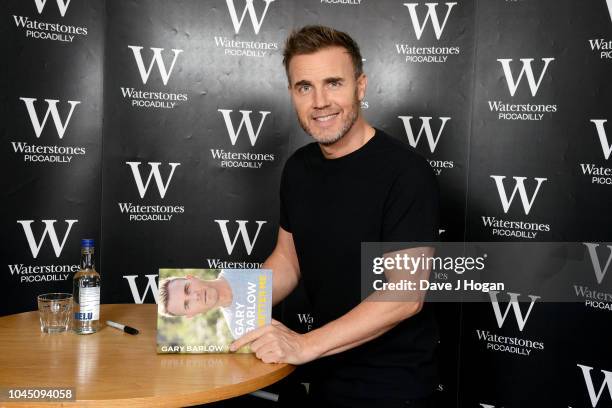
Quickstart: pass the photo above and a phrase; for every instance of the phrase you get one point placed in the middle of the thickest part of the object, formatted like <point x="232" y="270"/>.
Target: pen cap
<point x="87" y="243"/>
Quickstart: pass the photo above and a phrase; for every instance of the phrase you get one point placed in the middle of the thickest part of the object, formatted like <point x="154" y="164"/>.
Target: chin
<point x="332" y="136"/>
<point x="328" y="141"/>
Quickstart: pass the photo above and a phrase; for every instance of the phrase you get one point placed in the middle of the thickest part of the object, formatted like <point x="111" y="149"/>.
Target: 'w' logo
<point x="51" y="109"/>
<point x="151" y="285"/>
<point x="600" y="272"/>
<point x="153" y="173"/>
<point x="425" y="127"/>
<point x="246" y="120"/>
<point x="242" y="232"/>
<point x="50" y="231"/>
<point x="520" y="187"/>
<point x="603" y="138"/>
<point x="431" y="15"/>
<point x="607" y="383"/>
<point x="249" y="8"/>
<point x="61" y="5"/>
<point x="157" y="59"/>
<point x="527" y="71"/>
<point x="514" y="305"/>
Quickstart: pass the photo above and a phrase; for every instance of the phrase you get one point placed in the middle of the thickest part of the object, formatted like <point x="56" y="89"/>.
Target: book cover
<point x="205" y="310"/>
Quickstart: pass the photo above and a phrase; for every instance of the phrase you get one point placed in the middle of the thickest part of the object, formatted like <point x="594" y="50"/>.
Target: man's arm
<point x="285" y="267"/>
<point x="391" y="308"/>
<point x="369" y="319"/>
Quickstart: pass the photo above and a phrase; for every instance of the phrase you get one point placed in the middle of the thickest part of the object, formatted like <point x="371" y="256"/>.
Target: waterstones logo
<point x="238" y="48"/>
<point x="151" y="286"/>
<point x="165" y="65"/>
<point x="432" y="140"/>
<point x="230" y="242"/>
<point x="599" y="174"/>
<point x="593" y="297"/>
<point x="517" y="228"/>
<point x="522" y="111"/>
<point x="155" y="212"/>
<point x="231" y="159"/>
<point x="39" y="153"/>
<point x="509" y="344"/>
<point x="603" y="46"/>
<point x="599" y="395"/>
<point x="306" y="320"/>
<point x="422" y="16"/>
<point x="45" y="30"/>
<point x="61" y="5"/>
<point x="342" y="2"/>
<point x="51" y="109"/>
<point x="44" y="273"/>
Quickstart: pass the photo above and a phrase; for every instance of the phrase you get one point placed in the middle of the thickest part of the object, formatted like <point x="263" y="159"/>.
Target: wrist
<point x="313" y="346"/>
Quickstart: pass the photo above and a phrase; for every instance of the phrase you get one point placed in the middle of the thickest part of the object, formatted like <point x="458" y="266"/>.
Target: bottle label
<point x="89" y="301"/>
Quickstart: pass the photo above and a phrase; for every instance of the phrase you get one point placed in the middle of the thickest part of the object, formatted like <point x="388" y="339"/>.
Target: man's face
<point x="325" y="93"/>
<point x="190" y="296"/>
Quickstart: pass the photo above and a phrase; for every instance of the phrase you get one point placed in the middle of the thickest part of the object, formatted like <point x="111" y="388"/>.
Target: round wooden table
<point x="113" y="368"/>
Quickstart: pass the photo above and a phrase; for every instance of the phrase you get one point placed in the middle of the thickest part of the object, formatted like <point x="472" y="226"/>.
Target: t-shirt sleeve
<point x="411" y="211"/>
<point x="284" y="194"/>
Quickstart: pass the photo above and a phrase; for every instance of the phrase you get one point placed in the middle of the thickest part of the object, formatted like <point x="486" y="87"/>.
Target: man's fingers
<point x="249" y="337"/>
<point x="271" y="357"/>
<point x="270" y="354"/>
<point x="262" y="341"/>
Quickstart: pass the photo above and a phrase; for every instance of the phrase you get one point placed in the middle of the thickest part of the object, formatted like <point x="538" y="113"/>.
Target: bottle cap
<point x="87" y="243"/>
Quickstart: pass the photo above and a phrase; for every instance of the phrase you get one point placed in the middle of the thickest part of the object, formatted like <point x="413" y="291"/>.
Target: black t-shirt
<point x="383" y="192"/>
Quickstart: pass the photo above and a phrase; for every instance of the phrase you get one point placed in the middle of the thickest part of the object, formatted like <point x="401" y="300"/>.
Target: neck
<point x="358" y="135"/>
<point x="225" y="292"/>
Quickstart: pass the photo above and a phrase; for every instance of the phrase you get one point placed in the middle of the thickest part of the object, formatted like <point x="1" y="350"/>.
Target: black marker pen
<point x="123" y="327"/>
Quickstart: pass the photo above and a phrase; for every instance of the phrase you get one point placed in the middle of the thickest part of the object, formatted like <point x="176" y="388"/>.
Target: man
<point x="190" y="295"/>
<point x="354" y="184"/>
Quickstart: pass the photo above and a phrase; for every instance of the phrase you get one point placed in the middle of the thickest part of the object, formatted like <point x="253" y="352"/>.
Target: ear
<point x="189" y="276"/>
<point x="362" y="84"/>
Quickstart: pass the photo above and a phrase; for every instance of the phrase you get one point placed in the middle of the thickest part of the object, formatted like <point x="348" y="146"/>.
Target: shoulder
<point x="404" y="160"/>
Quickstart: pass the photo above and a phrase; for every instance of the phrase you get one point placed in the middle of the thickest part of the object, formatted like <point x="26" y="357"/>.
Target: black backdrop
<point x="160" y="129"/>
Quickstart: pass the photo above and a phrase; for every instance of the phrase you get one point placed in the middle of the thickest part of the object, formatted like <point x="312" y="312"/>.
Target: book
<point x="205" y="310"/>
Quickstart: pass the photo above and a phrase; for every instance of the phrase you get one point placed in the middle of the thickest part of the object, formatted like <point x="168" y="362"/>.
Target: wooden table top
<point x="112" y="368"/>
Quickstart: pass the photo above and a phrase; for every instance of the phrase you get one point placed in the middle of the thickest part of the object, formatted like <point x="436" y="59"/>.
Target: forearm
<point x="363" y="323"/>
<point x="284" y="276"/>
<point x="374" y="316"/>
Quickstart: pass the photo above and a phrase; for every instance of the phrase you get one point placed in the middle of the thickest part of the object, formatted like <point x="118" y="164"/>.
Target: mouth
<point x="325" y="118"/>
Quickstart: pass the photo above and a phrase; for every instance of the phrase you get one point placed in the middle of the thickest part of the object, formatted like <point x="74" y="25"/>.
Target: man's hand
<point x="275" y="343"/>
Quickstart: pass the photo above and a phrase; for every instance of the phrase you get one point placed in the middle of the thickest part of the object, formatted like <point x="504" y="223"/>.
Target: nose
<point x="194" y="295"/>
<point x="321" y="100"/>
